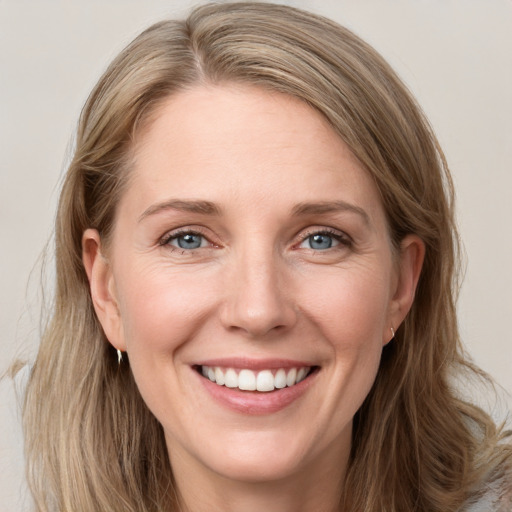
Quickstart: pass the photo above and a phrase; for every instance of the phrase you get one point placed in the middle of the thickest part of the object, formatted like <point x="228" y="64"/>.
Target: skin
<point x="256" y="288"/>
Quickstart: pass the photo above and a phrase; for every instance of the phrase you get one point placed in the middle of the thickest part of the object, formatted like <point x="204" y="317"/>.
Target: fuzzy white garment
<point x="485" y="504"/>
<point x="497" y="499"/>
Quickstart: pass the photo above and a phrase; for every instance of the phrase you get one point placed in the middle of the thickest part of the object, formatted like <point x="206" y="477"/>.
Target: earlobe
<point x="102" y="287"/>
<point x="412" y="253"/>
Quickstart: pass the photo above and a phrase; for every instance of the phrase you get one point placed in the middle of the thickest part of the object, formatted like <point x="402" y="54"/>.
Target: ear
<point x="102" y="286"/>
<point x="412" y="253"/>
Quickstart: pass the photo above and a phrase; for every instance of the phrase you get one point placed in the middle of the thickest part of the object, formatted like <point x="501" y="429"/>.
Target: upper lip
<point x="254" y="364"/>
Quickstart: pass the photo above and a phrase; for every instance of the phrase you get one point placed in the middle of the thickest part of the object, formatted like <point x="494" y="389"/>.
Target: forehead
<point x="244" y="142"/>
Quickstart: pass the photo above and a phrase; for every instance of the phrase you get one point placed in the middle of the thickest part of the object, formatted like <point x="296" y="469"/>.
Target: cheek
<point x="351" y="312"/>
<point x="161" y="311"/>
<point x="161" y="308"/>
<point x="351" y="308"/>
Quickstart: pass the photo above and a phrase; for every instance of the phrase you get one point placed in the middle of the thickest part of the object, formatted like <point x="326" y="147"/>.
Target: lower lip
<point x="256" y="402"/>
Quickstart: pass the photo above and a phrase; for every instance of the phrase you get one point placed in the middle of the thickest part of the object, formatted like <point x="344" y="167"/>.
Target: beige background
<point x="455" y="55"/>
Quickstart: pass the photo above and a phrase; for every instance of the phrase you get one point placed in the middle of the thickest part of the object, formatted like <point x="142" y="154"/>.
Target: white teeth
<point x="280" y="379"/>
<point x="290" y="377"/>
<point x="219" y="377"/>
<point x="265" y="381"/>
<point x="247" y="380"/>
<point x="300" y="375"/>
<point x="230" y="378"/>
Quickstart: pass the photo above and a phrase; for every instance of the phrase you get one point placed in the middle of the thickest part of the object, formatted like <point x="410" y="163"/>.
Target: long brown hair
<point x="91" y="442"/>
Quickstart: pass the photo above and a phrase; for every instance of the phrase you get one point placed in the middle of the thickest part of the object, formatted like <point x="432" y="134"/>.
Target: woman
<point x="256" y="263"/>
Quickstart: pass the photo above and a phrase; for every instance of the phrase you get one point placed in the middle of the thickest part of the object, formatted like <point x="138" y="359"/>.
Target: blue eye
<point x="320" y="241"/>
<point x="187" y="241"/>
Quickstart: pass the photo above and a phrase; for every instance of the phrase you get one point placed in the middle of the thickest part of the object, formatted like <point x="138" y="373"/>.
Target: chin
<point x="253" y="456"/>
<point x="260" y="468"/>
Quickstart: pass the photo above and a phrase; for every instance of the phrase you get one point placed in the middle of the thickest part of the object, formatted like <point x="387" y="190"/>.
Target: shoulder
<point x="495" y="497"/>
<point x="492" y="466"/>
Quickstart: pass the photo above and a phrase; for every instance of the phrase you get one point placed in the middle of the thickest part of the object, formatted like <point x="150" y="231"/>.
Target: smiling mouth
<point x="249" y="380"/>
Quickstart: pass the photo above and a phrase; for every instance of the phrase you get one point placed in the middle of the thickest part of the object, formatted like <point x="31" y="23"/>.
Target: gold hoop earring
<point x="119" y="357"/>
<point x="392" y="332"/>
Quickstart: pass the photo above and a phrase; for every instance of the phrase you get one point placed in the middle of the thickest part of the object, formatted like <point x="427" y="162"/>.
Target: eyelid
<point x="339" y="235"/>
<point x="185" y="230"/>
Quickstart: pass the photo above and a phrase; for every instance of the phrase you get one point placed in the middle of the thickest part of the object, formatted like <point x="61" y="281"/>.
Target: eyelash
<point x="340" y="237"/>
<point x="167" y="238"/>
<point x="343" y="239"/>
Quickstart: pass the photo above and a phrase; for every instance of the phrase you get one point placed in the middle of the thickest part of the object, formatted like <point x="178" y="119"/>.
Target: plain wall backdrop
<point x="455" y="56"/>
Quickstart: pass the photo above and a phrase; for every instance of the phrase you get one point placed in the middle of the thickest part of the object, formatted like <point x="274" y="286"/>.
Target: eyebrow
<point x="330" y="207"/>
<point x="201" y="207"/>
<point x="209" y="208"/>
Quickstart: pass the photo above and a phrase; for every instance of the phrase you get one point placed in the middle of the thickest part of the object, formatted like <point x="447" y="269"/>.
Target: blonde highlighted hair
<point x="91" y="442"/>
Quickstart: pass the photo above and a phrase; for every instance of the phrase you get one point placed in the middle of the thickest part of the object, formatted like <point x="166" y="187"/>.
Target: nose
<point x="259" y="296"/>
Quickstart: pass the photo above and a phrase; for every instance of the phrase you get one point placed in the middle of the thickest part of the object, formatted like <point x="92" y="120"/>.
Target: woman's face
<point x="250" y="247"/>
